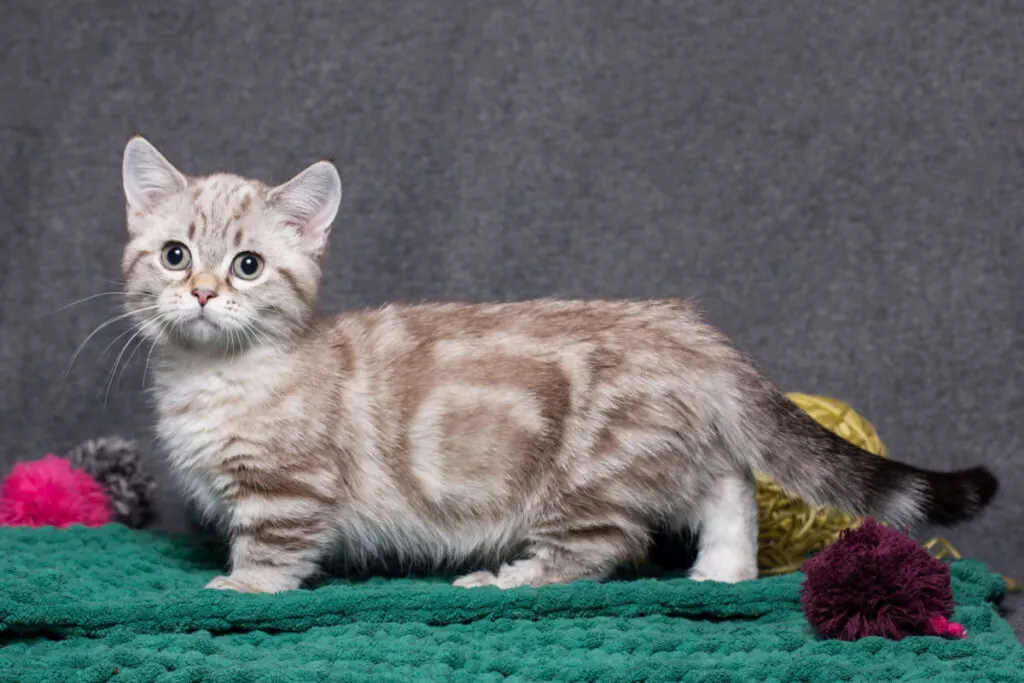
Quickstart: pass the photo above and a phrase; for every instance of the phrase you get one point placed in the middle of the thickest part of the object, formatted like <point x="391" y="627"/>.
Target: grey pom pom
<point x="115" y="463"/>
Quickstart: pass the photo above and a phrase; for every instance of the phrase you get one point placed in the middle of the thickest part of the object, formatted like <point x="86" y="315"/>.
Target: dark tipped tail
<point x="823" y="468"/>
<point x="958" y="496"/>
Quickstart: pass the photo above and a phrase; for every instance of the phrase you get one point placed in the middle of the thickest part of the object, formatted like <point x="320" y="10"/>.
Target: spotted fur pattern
<point x="550" y="437"/>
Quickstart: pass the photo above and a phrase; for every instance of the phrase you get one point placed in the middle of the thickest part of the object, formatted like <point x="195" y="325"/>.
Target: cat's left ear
<point x="308" y="203"/>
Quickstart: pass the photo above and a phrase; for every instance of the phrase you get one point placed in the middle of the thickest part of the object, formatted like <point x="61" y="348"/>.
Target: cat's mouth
<point x="203" y="322"/>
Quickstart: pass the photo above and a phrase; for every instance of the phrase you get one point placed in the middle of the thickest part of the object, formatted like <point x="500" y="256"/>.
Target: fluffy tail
<point x="810" y="461"/>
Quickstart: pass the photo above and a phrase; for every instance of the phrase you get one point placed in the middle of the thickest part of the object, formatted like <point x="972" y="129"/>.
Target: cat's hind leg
<point x="727" y="523"/>
<point x="567" y="551"/>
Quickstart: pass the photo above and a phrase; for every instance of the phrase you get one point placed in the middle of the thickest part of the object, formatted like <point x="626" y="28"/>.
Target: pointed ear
<point x="147" y="176"/>
<point x="308" y="203"/>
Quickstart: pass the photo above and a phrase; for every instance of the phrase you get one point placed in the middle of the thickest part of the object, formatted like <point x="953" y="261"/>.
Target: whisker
<point x="273" y="328"/>
<point x="247" y="332"/>
<point x="92" y="334"/>
<point x="102" y="326"/>
<point x="164" y="324"/>
<point x="87" y="298"/>
<point x="142" y="342"/>
<point x="264" y="329"/>
<point x="118" y="338"/>
<point x="117" y="361"/>
<point x="268" y="324"/>
<point x="268" y="339"/>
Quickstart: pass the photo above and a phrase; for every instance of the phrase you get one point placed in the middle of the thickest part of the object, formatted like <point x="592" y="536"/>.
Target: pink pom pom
<point x="49" y="492"/>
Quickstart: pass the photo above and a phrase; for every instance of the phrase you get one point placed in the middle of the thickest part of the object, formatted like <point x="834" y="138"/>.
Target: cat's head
<point x="222" y="263"/>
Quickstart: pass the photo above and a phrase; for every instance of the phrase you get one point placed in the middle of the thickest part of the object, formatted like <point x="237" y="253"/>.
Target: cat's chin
<point x="203" y="330"/>
<point x="209" y="338"/>
<point x="202" y="334"/>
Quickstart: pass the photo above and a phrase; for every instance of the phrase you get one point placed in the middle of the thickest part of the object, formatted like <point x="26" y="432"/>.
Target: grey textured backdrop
<point x="838" y="182"/>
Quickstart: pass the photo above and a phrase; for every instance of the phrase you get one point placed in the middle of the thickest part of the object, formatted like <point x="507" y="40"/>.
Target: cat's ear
<point x="308" y="203"/>
<point x="148" y="177"/>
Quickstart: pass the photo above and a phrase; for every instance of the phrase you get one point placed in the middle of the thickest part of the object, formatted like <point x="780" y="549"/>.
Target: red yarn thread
<point x="940" y="626"/>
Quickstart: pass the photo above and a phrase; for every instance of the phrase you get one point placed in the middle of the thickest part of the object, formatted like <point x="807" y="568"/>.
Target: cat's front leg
<point x="277" y="542"/>
<point x="265" y="561"/>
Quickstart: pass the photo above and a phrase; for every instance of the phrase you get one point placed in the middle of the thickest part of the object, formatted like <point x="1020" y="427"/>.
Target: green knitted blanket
<point x="116" y="605"/>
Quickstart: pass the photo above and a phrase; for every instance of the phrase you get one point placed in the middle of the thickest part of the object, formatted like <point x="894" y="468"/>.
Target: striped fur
<point x="543" y="440"/>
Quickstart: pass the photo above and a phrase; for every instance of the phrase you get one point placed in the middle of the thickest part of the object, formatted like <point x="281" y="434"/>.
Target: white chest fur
<point x="204" y="406"/>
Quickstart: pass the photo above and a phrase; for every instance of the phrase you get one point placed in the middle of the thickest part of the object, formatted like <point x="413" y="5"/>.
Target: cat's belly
<point x="391" y="527"/>
<point x="365" y="540"/>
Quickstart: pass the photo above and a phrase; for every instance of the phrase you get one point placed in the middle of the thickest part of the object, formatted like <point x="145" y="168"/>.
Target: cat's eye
<point x="175" y="256"/>
<point x="247" y="265"/>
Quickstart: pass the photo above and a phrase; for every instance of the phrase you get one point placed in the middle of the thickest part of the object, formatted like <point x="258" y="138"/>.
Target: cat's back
<point x="532" y="322"/>
<point x="554" y="355"/>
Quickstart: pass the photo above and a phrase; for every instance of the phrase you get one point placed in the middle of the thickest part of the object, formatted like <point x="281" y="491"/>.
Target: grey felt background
<point x="838" y="182"/>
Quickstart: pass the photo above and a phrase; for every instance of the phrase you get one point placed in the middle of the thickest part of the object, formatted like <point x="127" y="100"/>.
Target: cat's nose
<point x="204" y="294"/>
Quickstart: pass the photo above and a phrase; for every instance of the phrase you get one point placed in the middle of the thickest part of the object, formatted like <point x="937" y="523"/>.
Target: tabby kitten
<point x="452" y="433"/>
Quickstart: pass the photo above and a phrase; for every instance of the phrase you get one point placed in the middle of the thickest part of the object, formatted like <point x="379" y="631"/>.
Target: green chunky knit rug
<point x="116" y="605"/>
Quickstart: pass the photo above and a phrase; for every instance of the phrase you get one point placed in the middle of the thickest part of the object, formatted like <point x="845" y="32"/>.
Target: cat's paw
<point x="251" y="583"/>
<point x="476" y="580"/>
<point x="529" y="572"/>
<point x="227" y="583"/>
<point x="729" y="575"/>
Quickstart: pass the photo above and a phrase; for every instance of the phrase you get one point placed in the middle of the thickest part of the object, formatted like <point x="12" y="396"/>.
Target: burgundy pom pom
<point x="876" y="581"/>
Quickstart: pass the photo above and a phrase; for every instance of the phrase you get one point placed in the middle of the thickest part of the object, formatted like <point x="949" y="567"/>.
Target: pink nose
<point x="203" y="294"/>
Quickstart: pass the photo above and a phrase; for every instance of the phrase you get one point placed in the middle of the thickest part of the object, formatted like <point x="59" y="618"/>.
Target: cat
<point x="545" y="440"/>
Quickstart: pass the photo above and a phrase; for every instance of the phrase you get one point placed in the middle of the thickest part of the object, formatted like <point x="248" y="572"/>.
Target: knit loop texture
<point x="112" y="604"/>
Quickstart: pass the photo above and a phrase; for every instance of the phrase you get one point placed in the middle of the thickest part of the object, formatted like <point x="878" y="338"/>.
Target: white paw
<point x="724" y="574"/>
<point x="226" y="583"/>
<point x="251" y="582"/>
<point x="522" y="573"/>
<point x="476" y="580"/>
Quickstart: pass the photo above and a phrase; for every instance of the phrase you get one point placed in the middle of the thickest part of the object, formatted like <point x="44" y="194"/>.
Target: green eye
<point x="247" y="265"/>
<point x="175" y="256"/>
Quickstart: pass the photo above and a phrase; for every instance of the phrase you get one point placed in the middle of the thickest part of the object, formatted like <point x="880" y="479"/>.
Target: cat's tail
<point x="812" y="462"/>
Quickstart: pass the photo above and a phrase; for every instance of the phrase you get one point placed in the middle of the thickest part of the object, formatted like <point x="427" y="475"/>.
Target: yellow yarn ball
<point x="790" y="529"/>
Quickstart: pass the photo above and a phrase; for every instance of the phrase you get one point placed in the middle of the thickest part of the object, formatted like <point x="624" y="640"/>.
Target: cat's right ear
<point x="147" y="176"/>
